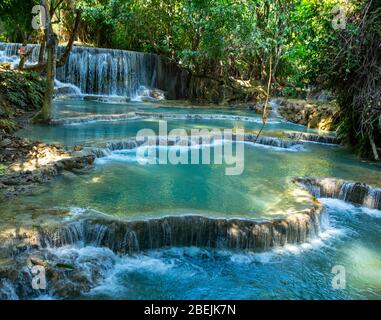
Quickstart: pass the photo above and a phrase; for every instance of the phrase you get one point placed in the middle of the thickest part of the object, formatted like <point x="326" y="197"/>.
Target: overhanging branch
<point x="62" y="61"/>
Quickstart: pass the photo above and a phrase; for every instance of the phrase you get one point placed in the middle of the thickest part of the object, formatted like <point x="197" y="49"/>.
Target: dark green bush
<point x="22" y="90"/>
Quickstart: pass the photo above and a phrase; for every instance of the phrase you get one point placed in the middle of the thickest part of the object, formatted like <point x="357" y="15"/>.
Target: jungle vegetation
<point x="331" y="45"/>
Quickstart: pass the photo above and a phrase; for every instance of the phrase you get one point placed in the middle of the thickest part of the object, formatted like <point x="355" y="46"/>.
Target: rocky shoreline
<point x="24" y="164"/>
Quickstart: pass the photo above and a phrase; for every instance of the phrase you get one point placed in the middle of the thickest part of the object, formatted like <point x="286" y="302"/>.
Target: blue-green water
<point x="294" y="272"/>
<point x="120" y="186"/>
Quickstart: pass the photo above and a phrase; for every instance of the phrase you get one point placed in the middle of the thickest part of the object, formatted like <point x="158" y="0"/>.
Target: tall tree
<point x="49" y="42"/>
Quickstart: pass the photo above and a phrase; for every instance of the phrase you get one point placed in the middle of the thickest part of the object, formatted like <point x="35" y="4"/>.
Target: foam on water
<point x="294" y="148"/>
<point x="348" y="208"/>
<point x="75" y="91"/>
<point x="187" y="263"/>
<point x="130" y="155"/>
<point x="372" y="212"/>
<point x="145" y="115"/>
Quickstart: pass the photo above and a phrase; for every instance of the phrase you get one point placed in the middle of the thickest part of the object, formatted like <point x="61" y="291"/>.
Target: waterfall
<point x="357" y="193"/>
<point x="271" y="141"/>
<point x="274" y="104"/>
<point x="94" y="118"/>
<point x="110" y="72"/>
<point x="7" y="290"/>
<point x="303" y="136"/>
<point x="154" y="115"/>
<point x="125" y="237"/>
<point x="129" y="144"/>
<point x="9" y="53"/>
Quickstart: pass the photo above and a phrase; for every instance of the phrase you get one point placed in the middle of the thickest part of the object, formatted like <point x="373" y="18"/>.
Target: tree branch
<point x="62" y="61"/>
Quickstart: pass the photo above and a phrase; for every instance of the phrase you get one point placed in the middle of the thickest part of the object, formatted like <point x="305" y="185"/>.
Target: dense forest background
<point x="331" y="45"/>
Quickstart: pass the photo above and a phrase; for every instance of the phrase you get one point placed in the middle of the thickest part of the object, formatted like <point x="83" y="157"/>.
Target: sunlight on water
<point x="118" y="186"/>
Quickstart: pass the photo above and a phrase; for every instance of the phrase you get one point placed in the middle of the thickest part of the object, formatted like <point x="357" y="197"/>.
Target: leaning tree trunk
<point x="45" y="113"/>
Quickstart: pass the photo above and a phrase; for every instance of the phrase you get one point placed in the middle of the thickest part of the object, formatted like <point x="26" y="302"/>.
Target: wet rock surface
<point x="68" y="273"/>
<point x="309" y="113"/>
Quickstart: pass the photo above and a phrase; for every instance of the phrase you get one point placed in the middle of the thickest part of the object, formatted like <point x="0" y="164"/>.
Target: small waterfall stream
<point x="126" y="237"/>
<point x="131" y="144"/>
<point x="315" y="138"/>
<point x="357" y="193"/>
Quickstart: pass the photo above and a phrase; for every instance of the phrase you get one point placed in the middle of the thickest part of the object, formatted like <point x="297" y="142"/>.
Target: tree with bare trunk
<point x="44" y="114"/>
<point x="49" y="46"/>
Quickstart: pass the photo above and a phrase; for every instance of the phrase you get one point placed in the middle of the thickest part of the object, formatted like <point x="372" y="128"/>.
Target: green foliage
<point x="218" y="38"/>
<point x="3" y="169"/>
<point x="7" y="125"/>
<point x="65" y="266"/>
<point x="16" y="19"/>
<point x="351" y="67"/>
<point x="222" y="41"/>
<point x="23" y="90"/>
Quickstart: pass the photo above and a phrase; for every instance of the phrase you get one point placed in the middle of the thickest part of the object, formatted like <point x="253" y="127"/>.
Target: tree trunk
<point x="374" y="148"/>
<point x="73" y="36"/>
<point x="44" y="114"/>
<point x="41" y="55"/>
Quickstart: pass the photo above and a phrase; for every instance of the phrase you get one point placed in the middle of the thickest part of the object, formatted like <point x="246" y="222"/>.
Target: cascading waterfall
<point x="9" y="53"/>
<point x="271" y="141"/>
<point x="130" y="144"/>
<point x="94" y="118"/>
<point x="60" y="248"/>
<point x="198" y="116"/>
<point x="126" y="237"/>
<point x="108" y="72"/>
<point x="111" y="72"/>
<point x="153" y="115"/>
<point x="357" y="193"/>
<point x="303" y="136"/>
